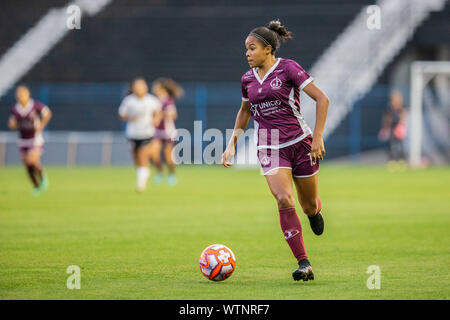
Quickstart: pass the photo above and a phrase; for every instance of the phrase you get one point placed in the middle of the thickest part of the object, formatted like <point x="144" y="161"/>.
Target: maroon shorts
<point x="165" y="141"/>
<point x="24" y="150"/>
<point x="296" y="157"/>
<point x="163" y="136"/>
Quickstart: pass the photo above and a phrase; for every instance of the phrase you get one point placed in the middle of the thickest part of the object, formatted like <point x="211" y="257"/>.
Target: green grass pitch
<point x="146" y="246"/>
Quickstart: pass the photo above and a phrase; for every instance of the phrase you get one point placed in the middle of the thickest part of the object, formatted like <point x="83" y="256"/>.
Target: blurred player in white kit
<point x="142" y="112"/>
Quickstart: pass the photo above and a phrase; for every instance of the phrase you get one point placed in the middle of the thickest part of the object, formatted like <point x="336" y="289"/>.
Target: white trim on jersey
<point x="297" y="114"/>
<point x="306" y="82"/>
<point x="45" y="110"/>
<point x="255" y="72"/>
<point x="305" y="128"/>
<point x="244" y="99"/>
<point x="24" y="110"/>
<point x="37" y="141"/>
<point x="255" y="133"/>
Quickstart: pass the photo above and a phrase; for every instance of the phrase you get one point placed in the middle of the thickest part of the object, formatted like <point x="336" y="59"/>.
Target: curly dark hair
<point x="271" y="33"/>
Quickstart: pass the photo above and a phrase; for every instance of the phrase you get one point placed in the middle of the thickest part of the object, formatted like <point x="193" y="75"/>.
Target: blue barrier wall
<point x="93" y="107"/>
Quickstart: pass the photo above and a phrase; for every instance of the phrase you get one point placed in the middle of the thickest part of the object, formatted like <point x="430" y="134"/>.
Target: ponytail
<point x="269" y="35"/>
<point x="278" y="28"/>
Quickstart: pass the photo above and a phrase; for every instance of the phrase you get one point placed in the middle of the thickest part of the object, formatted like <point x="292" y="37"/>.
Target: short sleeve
<point x="244" y="91"/>
<point x="300" y="78"/>
<point x="158" y="104"/>
<point x="170" y="108"/>
<point x="123" y="108"/>
<point x="38" y="106"/>
<point x="41" y="108"/>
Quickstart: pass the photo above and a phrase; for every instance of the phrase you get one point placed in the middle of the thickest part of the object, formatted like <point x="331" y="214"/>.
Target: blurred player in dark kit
<point x="30" y="118"/>
<point x="167" y="91"/>
<point x="393" y="128"/>
<point x="288" y="150"/>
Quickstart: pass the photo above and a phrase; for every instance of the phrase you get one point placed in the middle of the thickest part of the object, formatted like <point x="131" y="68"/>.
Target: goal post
<point x="421" y="74"/>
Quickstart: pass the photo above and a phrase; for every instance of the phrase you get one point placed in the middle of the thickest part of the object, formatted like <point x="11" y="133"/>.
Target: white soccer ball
<point x="217" y="262"/>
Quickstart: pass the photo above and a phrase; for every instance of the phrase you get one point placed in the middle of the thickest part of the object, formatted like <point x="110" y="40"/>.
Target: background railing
<point x="85" y="129"/>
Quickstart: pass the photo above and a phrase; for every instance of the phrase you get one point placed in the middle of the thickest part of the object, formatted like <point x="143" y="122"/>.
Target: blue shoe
<point x="172" y="180"/>
<point x="44" y="183"/>
<point x="158" y="179"/>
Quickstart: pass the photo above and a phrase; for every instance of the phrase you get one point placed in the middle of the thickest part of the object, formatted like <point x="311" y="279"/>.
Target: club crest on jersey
<point x="254" y="109"/>
<point x="276" y="83"/>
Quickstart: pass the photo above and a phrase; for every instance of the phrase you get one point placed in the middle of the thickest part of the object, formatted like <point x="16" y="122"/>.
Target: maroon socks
<point x="292" y="229"/>
<point x="31" y="174"/>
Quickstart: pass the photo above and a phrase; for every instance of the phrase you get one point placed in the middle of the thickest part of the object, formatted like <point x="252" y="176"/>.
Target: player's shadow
<point x="240" y="282"/>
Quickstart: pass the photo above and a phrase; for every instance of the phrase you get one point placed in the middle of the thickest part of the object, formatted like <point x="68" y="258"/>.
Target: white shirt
<point x="142" y="109"/>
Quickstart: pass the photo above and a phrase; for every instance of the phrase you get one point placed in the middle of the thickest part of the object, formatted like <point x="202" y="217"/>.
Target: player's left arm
<point x="403" y="116"/>
<point x="46" y="115"/>
<point x="171" y="113"/>
<point x="158" y="115"/>
<point x="12" y="123"/>
<point x="322" y="102"/>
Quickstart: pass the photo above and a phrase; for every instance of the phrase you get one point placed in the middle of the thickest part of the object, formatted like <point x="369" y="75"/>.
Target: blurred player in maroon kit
<point x="167" y="91"/>
<point x="30" y="117"/>
<point x="288" y="150"/>
<point x="393" y="128"/>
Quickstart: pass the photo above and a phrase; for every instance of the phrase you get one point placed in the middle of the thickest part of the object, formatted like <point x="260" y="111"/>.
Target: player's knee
<point x="310" y="207"/>
<point x="28" y="161"/>
<point x="285" y="200"/>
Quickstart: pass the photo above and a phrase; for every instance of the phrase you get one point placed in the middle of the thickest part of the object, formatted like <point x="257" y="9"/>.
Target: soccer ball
<point x="217" y="262"/>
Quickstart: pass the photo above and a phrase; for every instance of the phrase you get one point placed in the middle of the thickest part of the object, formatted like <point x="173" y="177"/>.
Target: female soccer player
<point x="286" y="150"/>
<point x="167" y="91"/>
<point x="141" y="111"/>
<point x="393" y="127"/>
<point x="30" y="117"/>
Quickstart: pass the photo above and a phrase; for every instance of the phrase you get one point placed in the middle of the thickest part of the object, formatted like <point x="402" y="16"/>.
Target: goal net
<point x="430" y="112"/>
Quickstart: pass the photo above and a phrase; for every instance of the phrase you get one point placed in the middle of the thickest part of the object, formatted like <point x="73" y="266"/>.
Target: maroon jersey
<point x="166" y="128"/>
<point x="28" y="119"/>
<point x="275" y="104"/>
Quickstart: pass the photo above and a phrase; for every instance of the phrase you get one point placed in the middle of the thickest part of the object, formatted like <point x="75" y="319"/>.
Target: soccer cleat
<point x="172" y="180"/>
<point x="158" y="179"/>
<point x="44" y="183"/>
<point x="304" y="271"/>
<point x="316" y="222"/>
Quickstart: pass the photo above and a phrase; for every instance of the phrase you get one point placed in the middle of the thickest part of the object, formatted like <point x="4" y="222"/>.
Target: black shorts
<point x="139" y="143"/>
<point x="164" y="142"/>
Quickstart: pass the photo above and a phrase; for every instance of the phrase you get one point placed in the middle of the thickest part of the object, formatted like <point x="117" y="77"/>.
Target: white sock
<point x="142" y="175"/>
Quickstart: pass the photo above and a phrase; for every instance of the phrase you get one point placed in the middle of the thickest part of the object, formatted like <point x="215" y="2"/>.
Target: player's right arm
<point x="171" y="113"/>
<point x="12" y="123"/>
<point x="241" y="122"/>
<point x="124" y="111"/>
